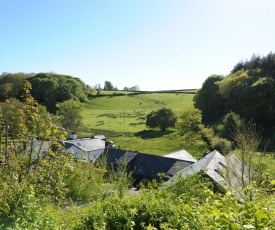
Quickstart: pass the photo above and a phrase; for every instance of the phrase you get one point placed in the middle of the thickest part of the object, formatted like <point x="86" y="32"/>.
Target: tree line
<point x="48" y="89"/>
<point x="248" y="91"/>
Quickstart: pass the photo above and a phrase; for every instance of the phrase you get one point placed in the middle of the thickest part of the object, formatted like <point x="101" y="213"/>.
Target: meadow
<point x="121" y="117"/>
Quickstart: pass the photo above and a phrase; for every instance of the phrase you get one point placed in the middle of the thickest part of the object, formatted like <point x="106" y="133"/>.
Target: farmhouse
<point x="88" y="149"/>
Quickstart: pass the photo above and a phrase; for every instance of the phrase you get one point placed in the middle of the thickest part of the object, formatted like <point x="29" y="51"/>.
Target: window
<point x="219" y="172"/>
<point x="222" y="164"/>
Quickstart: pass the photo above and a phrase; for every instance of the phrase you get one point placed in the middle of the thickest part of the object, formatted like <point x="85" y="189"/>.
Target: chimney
<point x="73" y="136"/>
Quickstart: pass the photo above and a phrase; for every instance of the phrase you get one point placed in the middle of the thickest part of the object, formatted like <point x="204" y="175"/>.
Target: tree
<point x="109" y="86"/>
<point x="50" y="88"/>
<point x="69" y="113"/>
<point x="189" y="125"/>
<point x="189" y="120"/>
<point x="209" y="100"/>
<point x="162" y="118"/>
<point x="247" y="138"/>
<point x="11" y="85"/>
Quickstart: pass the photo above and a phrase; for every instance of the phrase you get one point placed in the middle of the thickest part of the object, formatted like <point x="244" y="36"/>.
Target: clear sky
<point x="155" y="44"/>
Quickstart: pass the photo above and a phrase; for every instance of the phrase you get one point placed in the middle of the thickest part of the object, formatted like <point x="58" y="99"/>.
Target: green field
<point x="121" y="118"/>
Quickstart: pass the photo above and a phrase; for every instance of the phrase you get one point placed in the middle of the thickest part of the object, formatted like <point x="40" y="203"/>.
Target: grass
<point x="121" y="118"/>
<point x="127" y="113"/>
<point x="267" y="161"/>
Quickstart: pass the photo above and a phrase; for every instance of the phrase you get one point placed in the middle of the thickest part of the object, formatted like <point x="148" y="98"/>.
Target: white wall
<point x="91" y="155"/>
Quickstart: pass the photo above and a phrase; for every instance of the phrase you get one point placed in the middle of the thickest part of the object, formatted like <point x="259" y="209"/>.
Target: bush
<point x="221" y="144"/>
<point x="84" y="181"/>
<point x="160" y="209"/>
<point x="25" y="173"/>
<point x="162" y="119"/>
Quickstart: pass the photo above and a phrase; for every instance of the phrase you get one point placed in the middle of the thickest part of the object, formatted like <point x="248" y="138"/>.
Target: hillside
<point x="122" y="119"/>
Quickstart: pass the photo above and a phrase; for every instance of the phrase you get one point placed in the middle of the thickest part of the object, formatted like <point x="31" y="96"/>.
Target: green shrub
<point x="155" y="209"/>
<point x="84" y="181"/>
<point x="24" y="173"/>
<point x="221" y="144"/>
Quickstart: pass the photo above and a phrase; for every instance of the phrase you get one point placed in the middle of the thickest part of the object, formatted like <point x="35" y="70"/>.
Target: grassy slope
<point x="122" y="119"/>
<point x="127" y="113"/>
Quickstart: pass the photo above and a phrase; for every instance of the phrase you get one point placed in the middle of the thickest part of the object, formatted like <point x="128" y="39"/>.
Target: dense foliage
<point x="162" y="119"/>
<point x="155" y="209"/>
<point x="209" y="100"/>
<point x="248" y="91"/>
<point x="47" y="88"/>
<point x="11" y="85"/>
<point x="69" y="114"/>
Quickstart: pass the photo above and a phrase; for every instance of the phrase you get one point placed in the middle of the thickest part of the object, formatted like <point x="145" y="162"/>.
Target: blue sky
<point x="155" y="44"/>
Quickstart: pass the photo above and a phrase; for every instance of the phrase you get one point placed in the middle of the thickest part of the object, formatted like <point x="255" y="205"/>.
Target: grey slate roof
<point x="181" y="155"/>
<point x="145" y="165"/>
<point x="225" y="171"/>
<point x="114" y="156"/>
<point x="85" y="144"/>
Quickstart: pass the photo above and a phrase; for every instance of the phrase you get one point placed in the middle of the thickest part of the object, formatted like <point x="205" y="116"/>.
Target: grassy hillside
<point x="121" y="118"/>
<point x="127" y="113"/>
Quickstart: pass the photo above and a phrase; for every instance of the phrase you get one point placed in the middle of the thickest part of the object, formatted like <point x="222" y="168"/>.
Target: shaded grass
<point x="6" y="223"/>
<point x="148" y="134"/>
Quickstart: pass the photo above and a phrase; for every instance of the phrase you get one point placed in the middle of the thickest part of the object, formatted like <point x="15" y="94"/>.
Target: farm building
<point x="223" y="170"/>
<point x="145" y="167"/>
<point x="181" y="155"/>
<point x="87" y="149"/>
